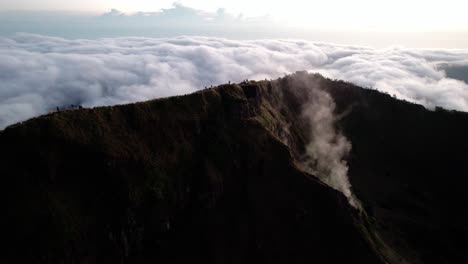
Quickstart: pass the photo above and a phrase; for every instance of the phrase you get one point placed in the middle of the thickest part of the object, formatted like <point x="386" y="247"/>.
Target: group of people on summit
<point x="65" y="108"/>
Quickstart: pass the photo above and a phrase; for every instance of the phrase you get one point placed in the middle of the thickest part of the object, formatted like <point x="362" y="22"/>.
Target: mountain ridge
<point x="216" y="176"/>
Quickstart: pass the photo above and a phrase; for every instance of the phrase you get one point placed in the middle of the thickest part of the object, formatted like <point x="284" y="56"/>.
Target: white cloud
<point x="202" y="20"/>
<point x="38" y="73"/>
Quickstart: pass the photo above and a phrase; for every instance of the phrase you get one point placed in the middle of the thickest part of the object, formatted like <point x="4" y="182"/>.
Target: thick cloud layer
<point x="38" y="73"/>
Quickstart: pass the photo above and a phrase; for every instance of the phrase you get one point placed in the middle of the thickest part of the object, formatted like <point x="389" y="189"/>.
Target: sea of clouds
<point x="38" y="73"/>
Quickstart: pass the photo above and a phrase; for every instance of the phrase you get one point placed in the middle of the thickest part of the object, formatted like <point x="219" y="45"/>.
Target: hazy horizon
<point x="178" y="19"/>
<point x="92" y="57"/>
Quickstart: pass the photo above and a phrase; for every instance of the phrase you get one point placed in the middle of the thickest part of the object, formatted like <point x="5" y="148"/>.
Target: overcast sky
<point x="395" y="15"/>
<point x="417" y="24"/>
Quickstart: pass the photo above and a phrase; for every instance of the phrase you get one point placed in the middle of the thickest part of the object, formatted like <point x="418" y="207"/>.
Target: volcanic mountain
<point x="302" y="169"/>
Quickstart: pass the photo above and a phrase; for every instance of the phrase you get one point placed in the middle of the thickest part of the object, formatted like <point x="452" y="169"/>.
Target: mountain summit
<point x="301" y="169"/>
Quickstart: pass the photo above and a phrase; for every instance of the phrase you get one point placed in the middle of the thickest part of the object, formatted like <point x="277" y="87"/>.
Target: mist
<point x="38" y="73"/>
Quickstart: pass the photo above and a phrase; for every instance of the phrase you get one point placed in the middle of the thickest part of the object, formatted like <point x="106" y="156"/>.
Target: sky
<point x="94" y="53"/>
<point x="416" y="23"/>
<point x="396" y="15"/>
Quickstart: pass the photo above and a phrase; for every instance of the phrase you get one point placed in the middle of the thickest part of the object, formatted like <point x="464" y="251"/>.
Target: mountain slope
<point x="196" y="178"/>
<point x="409" y="166"/>
<point x="226" y="175"/>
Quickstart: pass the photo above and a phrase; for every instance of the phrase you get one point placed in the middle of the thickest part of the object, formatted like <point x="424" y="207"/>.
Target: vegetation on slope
<point x="196" y="178"/>
<point x="216" y="177"/>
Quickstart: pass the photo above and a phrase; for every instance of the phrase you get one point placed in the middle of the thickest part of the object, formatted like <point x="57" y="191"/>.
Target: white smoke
<point x="38" y="73"/>
<point x="327" y="148"/>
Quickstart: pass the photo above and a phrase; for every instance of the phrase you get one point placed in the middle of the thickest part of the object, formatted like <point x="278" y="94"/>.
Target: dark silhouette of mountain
<point x="409" y="166"/>
<point x="217" y="177"/>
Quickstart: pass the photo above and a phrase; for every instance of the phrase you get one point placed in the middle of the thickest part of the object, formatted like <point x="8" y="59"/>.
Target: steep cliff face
<point x="409" y="166"/>
<point x="231" y="175"/>
<point x="203" y="178"/>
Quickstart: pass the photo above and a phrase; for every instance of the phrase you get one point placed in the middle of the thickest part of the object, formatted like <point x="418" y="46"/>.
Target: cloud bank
<point x="38" y="73"/>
